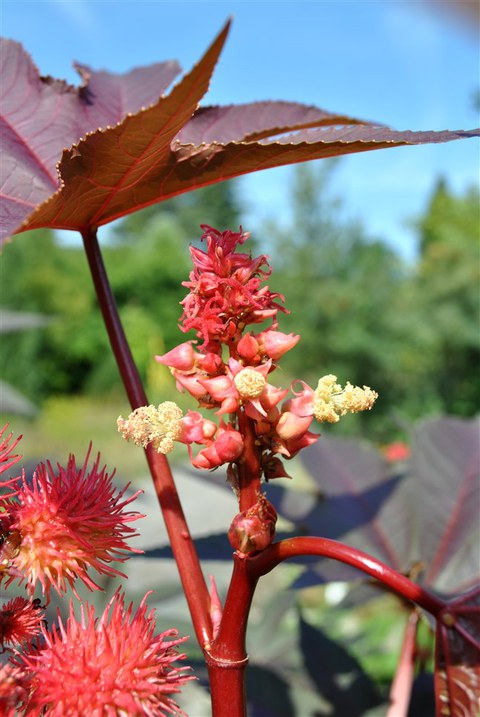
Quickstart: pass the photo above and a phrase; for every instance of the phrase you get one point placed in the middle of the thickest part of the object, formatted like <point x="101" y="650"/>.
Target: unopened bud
<point x="291" y="426"/>
<point x="277" y="343"/>
<point x="227" y="448"/>
<point x="247" y="348"/>
<point x="182" y="357"/>
<point x="253" y="529"/>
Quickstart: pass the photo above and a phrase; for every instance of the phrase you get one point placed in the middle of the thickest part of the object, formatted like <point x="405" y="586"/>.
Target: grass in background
<point x="67" y="425"/>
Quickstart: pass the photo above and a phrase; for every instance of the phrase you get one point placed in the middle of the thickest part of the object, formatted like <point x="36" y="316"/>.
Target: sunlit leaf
<point x="169" y="148"/>
<point x="41" y="116"/>
<point x="254" y="121"/>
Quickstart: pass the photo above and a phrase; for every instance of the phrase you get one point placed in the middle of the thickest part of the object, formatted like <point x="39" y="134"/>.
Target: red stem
<point x="402" y="684"/>
<point x="191" y="575"/>
<point x="276" y="553"/>
<point x="227" y="659"/>
<point x="249" y="467"/>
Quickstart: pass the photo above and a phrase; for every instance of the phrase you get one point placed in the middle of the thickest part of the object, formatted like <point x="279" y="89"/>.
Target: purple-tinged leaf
<point x="140" y="162"/>
<point x="109" y="98"/>
<point x="268" y="693"/>
<point x="173" y="147"/>
<point x="115" y="171"/>
<point x="457" y="657"/>
<point x="426" y="527"/>
<point x="356" y="479"/>
<point x="40" y="117"/>
<point x="445" y="469"/>
<point x="254" y="121"/>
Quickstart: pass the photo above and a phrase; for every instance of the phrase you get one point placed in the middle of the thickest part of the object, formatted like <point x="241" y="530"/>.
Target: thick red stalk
<point x="191" y="575"/>
<point x="276" y="553"/>
<point x="227" y="659"/>
<point x="249" y="468"/>
<point x="402" y="684"/>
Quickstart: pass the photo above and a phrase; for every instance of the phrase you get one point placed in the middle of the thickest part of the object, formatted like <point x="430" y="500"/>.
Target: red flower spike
<point x="20" y="621"/>
<point x="114" y="665"/>
<point x="225" y="297"/>
<point x="225" y="293"/>
<point x="253" y="529"/>
<point x="69" y="521"/>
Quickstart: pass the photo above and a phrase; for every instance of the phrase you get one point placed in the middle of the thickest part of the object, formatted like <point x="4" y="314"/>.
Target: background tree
<point x="446" y="282"/>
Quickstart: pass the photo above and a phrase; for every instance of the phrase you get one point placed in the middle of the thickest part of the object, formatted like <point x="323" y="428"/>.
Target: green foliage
<point x="447" y="281"/>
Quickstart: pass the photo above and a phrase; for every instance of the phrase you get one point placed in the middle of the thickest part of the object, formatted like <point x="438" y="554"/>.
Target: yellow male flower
<point x="331" y="401"/>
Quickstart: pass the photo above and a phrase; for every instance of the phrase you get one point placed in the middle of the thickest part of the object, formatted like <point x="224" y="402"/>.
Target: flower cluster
<point x="114" y="665"/>
<point x="229" y="371"/>
<point x="225" y="293"/>
<point x="62" y="523"/>
<point x="54" y="528"/>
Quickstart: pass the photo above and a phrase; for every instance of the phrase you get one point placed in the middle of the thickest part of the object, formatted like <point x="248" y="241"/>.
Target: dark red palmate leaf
<point x="41" y="116"/>
<point x="457" y="658"/>
<point x="424" y="523"/>
<point x="174" y="147"/>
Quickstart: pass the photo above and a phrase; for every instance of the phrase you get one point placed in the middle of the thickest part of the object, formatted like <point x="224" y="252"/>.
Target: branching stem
<point x="276" y="553"/>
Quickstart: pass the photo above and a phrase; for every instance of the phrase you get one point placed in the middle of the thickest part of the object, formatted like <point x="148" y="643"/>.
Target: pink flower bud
<point x="290" y="426"/>
<point x="272" y="396"/>
<point x="196" y="429"/>
<point x="253" y="529"/>
<point x="191" y="383"/>
<point x="219" y="387"/>
<point x="277" y="343"/>
<point x="302" y="404"/>
<point x="211" y="363"/>
<point x="247" y="348"/>
<point x="229" y="446"/>
<point x="293" y="446"/>
<point x="182" y="357"/>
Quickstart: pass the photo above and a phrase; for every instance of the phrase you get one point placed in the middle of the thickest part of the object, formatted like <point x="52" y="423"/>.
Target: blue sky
<point x="411" y="65"/>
